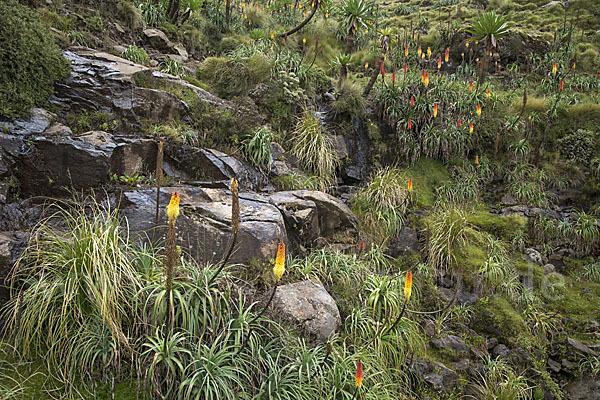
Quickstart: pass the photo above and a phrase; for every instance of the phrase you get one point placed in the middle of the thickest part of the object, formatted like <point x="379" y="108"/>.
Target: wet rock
<point x="519" y="210"/>
<point x="311" y="216"/>
<point x="52" y="163"/>
<point x="462" y="297"/>
<point x="37" y="122"/>
<point x="586" y="388"/>
<point x="406" y="242"/>
<point x="435" y="381"/>
<point x="501" y="351"/>
<point x="580" y="347"/>
<point x="107" y="83"/>
<point x="429" y="328"/>
<point x="554" y="366"/>
<point x="449" y="377"/>
<point x="419" y="367"/>
<point x="204" y="224"/>
<point x="534" y="256"/>
<point x="209" y="167"/>
<point x="450" y="343"/>
<point x="4" y="187"/>
<point x="462" y="365"/>
<point x="492" y="342"/>
<point x="339" y="146"/>
<point x="307" y="305"/>
<point x="12" y="244"/>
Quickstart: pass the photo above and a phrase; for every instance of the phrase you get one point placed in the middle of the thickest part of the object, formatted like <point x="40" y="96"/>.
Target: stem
<point x="301" y="25"/>
<point x="245" y="341"/>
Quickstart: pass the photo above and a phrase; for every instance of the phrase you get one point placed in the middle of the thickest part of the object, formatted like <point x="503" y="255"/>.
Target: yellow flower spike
<point x="279" y="268"/>
<point x="407" y="286"/>
<point x="173" y="208"/>
<point x="410" y="185"/>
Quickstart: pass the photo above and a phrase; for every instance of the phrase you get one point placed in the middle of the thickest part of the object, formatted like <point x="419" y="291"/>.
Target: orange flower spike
<point x="419" y="51"/>
<point x="409" y="124"/>
<point x="435" y="110"/>
<point x="489" y="94"/>
<point x="459" y="122"/>
<point x="394" y="77"/>
<point x="279" y="268"/>
<point x="410" y="185"/>
<point x="428" y="52"/>
<point x="367" y="65"/>
<point x="406" y="50"/>
<point x="407" y="286"/>
<point x="478" y="110"/>
<point x="359" y="374"/>
<point x="447" y="55"/>
<point x="427" y="79"/>
<point x="561" y="85"/>
<point x="423" y="76"/>
<point x="477" y="159"/>
<point x="412" y="101"/>
<point x="361" y="246"/>
<point x="272" y="35"/>
<point x="467" y="43"/>
<point x="173" y="208"/>
<point x="405" y="68"/>
<point x="470" y="128"/>
<point x="471" y="86"/>
<point x="574" y="64"/>
<point x="554" y="69"/>
<point x="440" y="62"/>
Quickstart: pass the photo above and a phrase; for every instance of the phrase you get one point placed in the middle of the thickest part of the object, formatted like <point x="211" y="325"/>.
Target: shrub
<point x="578" y="146"/>
<point x="136" y="55"/>
<point x="30" y="61"/>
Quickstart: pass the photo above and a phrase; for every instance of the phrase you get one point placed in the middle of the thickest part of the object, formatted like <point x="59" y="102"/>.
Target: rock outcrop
<point x="307" y="305"/>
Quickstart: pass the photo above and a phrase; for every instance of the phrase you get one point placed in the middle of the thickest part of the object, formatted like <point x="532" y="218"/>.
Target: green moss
<point x="503" y="227"/>
<point x="427" y="175"/>
<point x="95" y="121"/>
<point x="30" y="61"/>
<point x="495" y="315"/>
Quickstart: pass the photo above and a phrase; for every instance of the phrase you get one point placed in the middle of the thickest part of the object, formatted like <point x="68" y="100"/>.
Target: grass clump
<point x="30" y="61"/>
<point x="258" y="147"/>
<point x="73" y="292"/>
<point x="136" y="55"/>
<point x="380" y="206"/>
<point x="314" y="149"/>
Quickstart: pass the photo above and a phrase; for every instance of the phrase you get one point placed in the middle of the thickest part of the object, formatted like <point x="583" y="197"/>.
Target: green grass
<point x="427" y="174"/>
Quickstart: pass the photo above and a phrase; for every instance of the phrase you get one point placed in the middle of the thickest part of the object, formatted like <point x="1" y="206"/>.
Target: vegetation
<point x="462" y="134"/>
<point x="31" y="61"/>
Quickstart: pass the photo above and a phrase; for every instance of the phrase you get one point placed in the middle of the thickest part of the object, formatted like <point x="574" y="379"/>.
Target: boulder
<point x="313" y="217"/>
<point x="580" y="347"/>
<point x="53" y="162"/>
<point x="209" y="167"/>
<point x="548" y="268"/>
<point x="501" y="351"/>
<point x="449" y="377"/>
<point x="452" y="344"/>
<point x="204" y="224"/>
<point x="586" y="388"/>
<point x="12" y="245"/>
<point x="307" y="305"/>
<point x="107" y="83"/>
<point x="534" y="256"/>
<point x="406" y="242"/>
<point x="435" y="381"/>
<point x="37" y="122"/>
<point x="157" y="39"/>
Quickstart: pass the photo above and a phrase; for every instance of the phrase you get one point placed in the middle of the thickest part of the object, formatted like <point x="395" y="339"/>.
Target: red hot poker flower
<point x="359" y="373"/>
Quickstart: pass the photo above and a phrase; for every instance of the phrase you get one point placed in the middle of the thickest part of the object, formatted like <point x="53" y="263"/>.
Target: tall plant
<point x="488" y="28"/>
